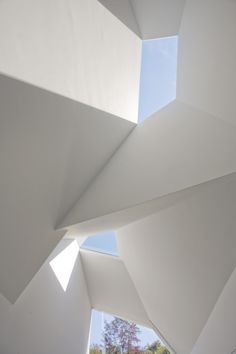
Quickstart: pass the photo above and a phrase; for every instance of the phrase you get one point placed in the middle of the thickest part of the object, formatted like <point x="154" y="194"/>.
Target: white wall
<point x="110" y="287"/>
<point x="158" y="18"/>
<point x="45" y="319"/>
<point x="207" y="54"/>
<point x="176" y="148"/>
<point x="181" y="257"/>
<point x="218" y="336"/>
<point x="51" y="148"/>
<point x="75" y="48"/>
<point x="149" y="19"/>
<point x="123" y="10"/>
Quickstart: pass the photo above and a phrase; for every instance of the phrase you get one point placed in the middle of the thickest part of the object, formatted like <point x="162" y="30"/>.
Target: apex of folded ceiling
<point x="176" y="148"/>
<point x="148" y="19"/>
<point x="50" y="149"/>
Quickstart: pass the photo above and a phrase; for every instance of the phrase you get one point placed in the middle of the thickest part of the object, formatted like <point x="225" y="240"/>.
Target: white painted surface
<point x="149" y="19"/>
<point x="50" y="149"/>
<point x="207" y="56"/>
<point x="178" y="147"/>
<point x="110" y="288"/>
<point x="158" y="18"/>
<point x="181" y="258"/>
<point x="176" y="261"/>
<point x="45" y="319"/>
<point x="218" y="336"/>
<point x="75" y="48"/>
<point x="124" y="11"/>
<point x="63" y="264"/>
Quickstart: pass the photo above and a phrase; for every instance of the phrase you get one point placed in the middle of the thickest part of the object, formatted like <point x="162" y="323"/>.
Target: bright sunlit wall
<point x="63" y="264"/>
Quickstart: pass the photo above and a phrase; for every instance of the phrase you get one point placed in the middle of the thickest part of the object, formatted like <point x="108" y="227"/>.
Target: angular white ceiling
<point x="190" y="141"/>
<point x="188" y="254"/>
<point x="178" y="147"/>
<point x="107" y="278"/>
<point x="50" y="150"/>
<point x="149" y="19"/>
<point x="169" y="182"/>
<point x="207" y="55"/>
<point x="45" y="319"/>
<point x="74" y="48"/>
<point x="124" y="11"/>
<point x="221" y="324"/>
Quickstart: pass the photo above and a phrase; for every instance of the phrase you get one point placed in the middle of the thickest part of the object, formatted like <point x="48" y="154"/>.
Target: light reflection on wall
<point x="63" y="264"/>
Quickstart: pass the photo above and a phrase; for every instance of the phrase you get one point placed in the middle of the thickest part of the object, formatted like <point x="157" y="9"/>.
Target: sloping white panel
<point x="188" y="254"/>
<point x="110" y="288"/>
<point x="75" y="48"/>
<point x="50" y="149"/>
<point x="158" y="18"/>
<point x="218" y="336"/>
<point x="176" y="148"/>
<point x="149" y="19"/>
<point x="207" y="56"/>
<point x="45" y="319"/>
<point x="124" y="217"/>
<point x="124" y="11"/>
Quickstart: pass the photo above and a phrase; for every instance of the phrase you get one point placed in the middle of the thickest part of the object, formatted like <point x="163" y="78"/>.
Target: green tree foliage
<point x="95" y="349"/>
<point x="156" y="348"/>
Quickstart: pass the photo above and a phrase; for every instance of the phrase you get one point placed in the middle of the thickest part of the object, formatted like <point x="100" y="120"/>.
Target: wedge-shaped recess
<point x="148" y="19"/>
<point x="181" y="257"/>
<point x="110" y="287"/>
<point x="207" y="54"/>
<point x="50" y="149"/>
<point x="178" y="147"/>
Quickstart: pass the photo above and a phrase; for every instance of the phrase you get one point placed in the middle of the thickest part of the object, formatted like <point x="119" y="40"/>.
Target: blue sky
<point x="103" y="242"/>
<point x="157" y="89"/>
<point x="158" y="75"/>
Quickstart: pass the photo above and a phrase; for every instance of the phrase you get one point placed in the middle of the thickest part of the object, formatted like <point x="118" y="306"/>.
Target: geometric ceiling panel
<point x="46" y="309"/>
<point x="221" y="324"/>
<point x="176" y="148"/>
<point x="207" y="55"/>
<point x="148" y="19"/>
<point x="50" y="149"/>
<point x="188" y="254"/>
<point x="167" y="186"/>
<point x="73" y="48"/>
<point x="123" y="10"/>
<point x="107" y="278"/>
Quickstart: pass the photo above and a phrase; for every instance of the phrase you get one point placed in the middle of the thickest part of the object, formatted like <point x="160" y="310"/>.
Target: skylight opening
<point x="108" y="332"/>
<point x="158" y="75"/>
<point x="104" y="242"/>
<point x="63" y="264"/>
